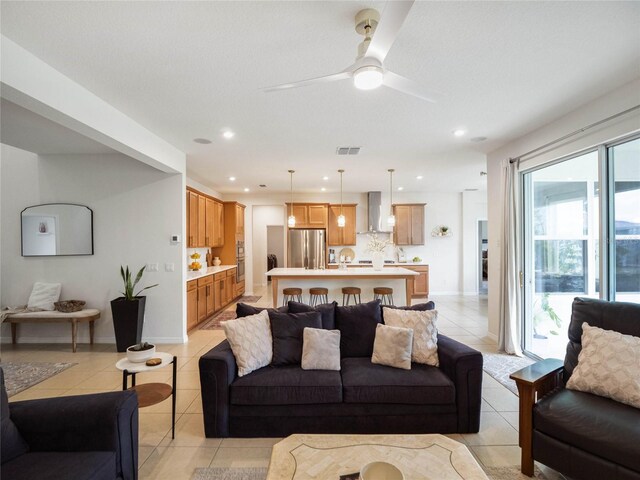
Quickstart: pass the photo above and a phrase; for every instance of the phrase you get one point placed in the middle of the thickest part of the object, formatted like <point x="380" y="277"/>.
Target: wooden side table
<point x="151" y="393"/>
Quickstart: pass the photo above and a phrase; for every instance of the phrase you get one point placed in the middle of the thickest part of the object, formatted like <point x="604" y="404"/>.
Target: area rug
<point x="501" y="365"/>
<point x="494" y="473"/>
<point x="214" y="323"/>
<point x="19" y="376"/>
<point x="249" y="299"/>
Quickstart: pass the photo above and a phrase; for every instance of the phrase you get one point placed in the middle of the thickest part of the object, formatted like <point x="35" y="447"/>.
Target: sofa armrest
<point x="533" y="382"/>
<point x="463" y="365"/>
<point x="218" y="370"/>
<point x="96" y="422"/>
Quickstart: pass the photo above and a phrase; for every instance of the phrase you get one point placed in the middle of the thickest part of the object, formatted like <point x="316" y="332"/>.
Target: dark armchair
<point x="582" y="435"/>
<point x="79" y="437"/>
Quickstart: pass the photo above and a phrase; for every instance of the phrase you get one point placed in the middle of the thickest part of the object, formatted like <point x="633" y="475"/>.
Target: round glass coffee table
<point x="151" y="393"/>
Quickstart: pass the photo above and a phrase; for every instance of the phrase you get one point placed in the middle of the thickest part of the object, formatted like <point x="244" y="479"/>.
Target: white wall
<point x="610" y="104"/>
<point x="444" y="255"/>
<point x="136" y="209"/>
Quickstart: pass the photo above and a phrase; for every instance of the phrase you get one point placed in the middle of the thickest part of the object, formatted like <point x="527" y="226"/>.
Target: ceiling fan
<point x="368" y="70"/>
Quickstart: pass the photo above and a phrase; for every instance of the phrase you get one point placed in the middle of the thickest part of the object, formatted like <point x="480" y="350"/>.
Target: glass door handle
<point x="521" y="279"/>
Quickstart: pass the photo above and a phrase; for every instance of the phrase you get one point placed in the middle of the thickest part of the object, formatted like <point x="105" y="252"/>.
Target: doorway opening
<point x="483" y="260"/>
<point x="275" y="247"/>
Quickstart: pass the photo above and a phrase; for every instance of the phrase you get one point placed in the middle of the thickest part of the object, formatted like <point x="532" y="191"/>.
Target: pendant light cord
<point x="341" y="172"/>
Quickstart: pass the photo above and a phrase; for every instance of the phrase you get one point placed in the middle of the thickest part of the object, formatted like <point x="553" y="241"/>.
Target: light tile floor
<point x="461" y="317"/>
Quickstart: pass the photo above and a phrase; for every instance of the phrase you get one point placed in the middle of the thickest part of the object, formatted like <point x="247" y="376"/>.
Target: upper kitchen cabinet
<point x="240" y="220"/>
<point x="409" y="228"/>
<point x="309" y="215"/>
<point x="341" y="236"/>
<point x="205" y="220"/>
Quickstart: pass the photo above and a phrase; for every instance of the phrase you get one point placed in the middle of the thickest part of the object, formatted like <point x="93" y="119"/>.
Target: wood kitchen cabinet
<point x="205" y="220"/>
<point x="421" y="282"/>
<point x="309" y="215"/>
<point x="409" y="228"/>
<point x="192" y="304"/>
<point x="240" y="220"/>
<point x="342" y="236"/>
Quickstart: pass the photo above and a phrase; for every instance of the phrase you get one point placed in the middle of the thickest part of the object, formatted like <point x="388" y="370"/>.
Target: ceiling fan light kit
<point x="368" y="70"/>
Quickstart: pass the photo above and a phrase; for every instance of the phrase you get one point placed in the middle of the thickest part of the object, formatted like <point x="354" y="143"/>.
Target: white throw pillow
<point x="608" y="365"/>
<point x="44" y="295"/>
<point x="251" y="342"/>
<point x="392" y="346"/>
<point x="425" y="332"/>
<point x="320" y="349"/>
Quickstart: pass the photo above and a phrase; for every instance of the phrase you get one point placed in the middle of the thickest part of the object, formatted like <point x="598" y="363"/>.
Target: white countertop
<point x="192" y="275"/>
<point x="301" y="272"/>
<point x="396" y="264"/>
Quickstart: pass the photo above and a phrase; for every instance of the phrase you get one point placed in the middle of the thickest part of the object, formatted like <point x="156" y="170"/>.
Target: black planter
<point x="128" y="317"/>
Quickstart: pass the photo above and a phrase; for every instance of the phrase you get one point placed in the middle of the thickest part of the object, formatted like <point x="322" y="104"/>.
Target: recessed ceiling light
<point x="325" y="178"/>
<point x="419" y="177"/>
<point x="246" y="189"/>
<point x="232" y="179"/>
<point x="459" y="132"/>
<point x="203" y="141"/>
<point x="228" y="134"/>
<point x="323" y="189"/>
<point x="400" y="188"/>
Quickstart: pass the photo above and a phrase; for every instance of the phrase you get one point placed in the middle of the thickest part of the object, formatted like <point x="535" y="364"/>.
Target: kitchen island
<point x="400" y="279"/>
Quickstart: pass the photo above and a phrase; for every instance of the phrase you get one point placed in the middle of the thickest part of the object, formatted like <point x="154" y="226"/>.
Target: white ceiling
<point x="191" y="69"/>
<point x="21" y="128"/>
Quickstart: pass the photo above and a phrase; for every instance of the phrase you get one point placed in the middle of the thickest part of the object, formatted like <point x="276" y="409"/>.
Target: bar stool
<point x="318" y="295"/>
<point x="348" y="292"/>
<point x="292" y="293"/>
<point x="383" y="293"/>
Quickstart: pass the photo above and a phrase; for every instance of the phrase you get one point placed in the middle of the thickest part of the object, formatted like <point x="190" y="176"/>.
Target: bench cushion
<point x="61" y="465"/>
<point x="287" y="385"/>
<point x="597" y="425"/>
<point x="365" y="382"/>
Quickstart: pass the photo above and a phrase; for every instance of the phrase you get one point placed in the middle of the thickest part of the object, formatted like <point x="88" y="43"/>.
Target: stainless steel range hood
<point x="374" y="207"/>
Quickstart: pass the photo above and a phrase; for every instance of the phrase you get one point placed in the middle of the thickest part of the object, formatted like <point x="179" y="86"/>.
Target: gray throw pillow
<point x="321" y="349"/>
<point x="392" y="347"/>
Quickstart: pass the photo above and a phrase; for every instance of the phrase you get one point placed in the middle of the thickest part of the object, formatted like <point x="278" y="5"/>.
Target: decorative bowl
<point x="140" y="356"/>
<point x="380" y="471"/>
<point x="68" y="306"/>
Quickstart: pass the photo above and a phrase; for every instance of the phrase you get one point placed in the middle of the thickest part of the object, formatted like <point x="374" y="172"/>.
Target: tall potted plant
<point x="128" y="311"/>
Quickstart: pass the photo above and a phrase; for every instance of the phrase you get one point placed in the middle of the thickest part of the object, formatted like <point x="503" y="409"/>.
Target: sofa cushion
<point x="287" y="385"/>
<point x="597" y="425"/>
<point x="617" y="316"/>
<point x="419" y="307"/>
<point x="357" y="325"/>
<point x="286" y="330"/>
<point x="365" y="382"/>
<point x="60" y="465"/>
<point x="12" y="444"/>
<point x="251" y="342"/>
<point x="327" y="310"/>
<point x="244" y="310"/>
<point x="425" y="333"/>
<point x="392" y="346"/>
<point x="320" y="349"/>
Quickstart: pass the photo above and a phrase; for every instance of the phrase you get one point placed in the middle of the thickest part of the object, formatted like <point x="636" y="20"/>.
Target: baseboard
<point x="492" y="336"/>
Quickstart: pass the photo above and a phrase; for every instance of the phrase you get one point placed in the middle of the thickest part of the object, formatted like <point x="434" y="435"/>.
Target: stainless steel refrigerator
<point x="307" y="248"/>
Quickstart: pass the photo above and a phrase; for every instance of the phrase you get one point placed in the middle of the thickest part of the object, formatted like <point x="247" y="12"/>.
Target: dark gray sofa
<point x="361" y="398"/>
<point x="85" y="437"/>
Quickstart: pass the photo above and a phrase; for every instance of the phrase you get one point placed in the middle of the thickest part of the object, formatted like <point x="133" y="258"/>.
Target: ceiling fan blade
<point x="387" y="30"/>
<point x="345" y="74"/>
<point x="404" y="85"/>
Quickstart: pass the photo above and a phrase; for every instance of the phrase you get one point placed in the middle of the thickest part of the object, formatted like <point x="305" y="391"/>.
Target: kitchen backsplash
<point x="391" y="253"/>
<point x="203" y="256"/>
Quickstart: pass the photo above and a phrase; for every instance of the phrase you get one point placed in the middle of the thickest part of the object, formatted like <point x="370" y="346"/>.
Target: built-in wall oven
<point x="240" y="261"/>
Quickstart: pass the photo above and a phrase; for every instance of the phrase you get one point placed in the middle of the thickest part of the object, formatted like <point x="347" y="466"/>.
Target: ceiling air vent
<point x="347" y="150"/>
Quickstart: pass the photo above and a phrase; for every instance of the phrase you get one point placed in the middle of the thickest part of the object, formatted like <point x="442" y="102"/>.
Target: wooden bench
<point x="87" y="315"/>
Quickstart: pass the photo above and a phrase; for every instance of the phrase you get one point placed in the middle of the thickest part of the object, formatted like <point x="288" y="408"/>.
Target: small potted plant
<point x="128" y="311"/>
<point x="140" y="352"/>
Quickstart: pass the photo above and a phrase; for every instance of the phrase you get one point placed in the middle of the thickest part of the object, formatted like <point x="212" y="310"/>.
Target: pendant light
<point x="341" y="220"/>
<point x="291" y="221"/>
<point x="392" y="218"/>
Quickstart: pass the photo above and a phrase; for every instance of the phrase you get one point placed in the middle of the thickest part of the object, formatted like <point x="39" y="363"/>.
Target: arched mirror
<point x="57" y="229"/>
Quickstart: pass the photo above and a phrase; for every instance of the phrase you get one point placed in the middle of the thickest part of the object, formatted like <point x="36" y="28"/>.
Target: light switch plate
<point x="169" y="267"/>
<point x="152" y="267"/>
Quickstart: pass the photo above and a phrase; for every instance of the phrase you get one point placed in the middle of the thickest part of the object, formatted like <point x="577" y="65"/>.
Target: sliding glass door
<point x="567" y="218"/>
<point x="561" y="223"/>
<point x="624" y="162"/>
